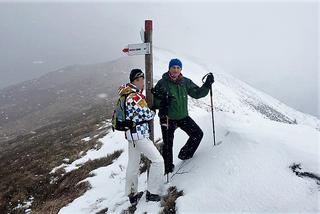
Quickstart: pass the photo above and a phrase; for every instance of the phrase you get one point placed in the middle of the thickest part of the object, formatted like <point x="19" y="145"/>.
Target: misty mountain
<point x="39" y="102"/>
<point x="73" y="163"/>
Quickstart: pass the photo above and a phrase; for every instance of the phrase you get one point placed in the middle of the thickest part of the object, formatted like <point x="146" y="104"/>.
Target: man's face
<point x="139" y="82"/>
<point x="175" y="71"/>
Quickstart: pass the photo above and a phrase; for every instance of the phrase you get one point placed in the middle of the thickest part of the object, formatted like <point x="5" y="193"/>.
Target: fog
<point x="271" y="46"/>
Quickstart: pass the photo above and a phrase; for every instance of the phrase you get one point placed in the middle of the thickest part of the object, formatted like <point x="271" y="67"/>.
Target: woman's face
<point x="175" y="71"/>
<point x="139" y="83"/>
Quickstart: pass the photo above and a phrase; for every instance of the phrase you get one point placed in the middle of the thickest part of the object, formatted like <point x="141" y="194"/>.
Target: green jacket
<point x="171" y="97"/>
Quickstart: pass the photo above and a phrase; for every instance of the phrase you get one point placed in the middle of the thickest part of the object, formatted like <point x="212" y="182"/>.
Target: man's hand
<point x="209" y="80"/>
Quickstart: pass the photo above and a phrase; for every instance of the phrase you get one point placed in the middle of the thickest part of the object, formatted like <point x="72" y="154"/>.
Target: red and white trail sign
<point x="137" y="49"/>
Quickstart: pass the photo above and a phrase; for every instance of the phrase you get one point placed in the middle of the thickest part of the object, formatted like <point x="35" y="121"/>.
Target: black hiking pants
<point x="187" y="151"/>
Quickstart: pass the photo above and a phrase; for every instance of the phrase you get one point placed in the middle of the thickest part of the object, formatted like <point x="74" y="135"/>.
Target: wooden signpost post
<point x="145" y="49"/>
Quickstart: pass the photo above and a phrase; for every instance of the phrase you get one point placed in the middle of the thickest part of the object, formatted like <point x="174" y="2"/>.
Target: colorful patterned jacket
<point x="137" y="111"/>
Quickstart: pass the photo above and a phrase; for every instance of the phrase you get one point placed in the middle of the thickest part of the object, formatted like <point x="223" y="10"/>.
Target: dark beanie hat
<point x="135" y="74"/>
<point x="174" y="62"/>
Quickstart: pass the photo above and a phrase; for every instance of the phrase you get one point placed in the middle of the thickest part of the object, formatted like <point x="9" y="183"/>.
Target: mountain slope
<point x="248" y="172"/>
<point x="233" y="95"/>
<point x="74" y="89"/>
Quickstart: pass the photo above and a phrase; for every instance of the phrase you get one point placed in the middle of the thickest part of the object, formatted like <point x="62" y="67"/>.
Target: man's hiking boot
<point x="134" y="198"/>
<point x="152" y="197"/>
<point x="184" y="155"/>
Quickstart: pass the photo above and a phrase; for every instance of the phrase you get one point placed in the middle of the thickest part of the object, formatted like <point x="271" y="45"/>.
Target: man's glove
<point x="209" y="80"/>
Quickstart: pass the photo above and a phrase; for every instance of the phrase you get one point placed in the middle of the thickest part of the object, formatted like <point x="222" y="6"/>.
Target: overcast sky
<point x="271" y="46"/>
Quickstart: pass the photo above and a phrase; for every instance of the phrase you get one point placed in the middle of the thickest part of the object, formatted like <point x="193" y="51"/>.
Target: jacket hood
<point x="127" y="89"/>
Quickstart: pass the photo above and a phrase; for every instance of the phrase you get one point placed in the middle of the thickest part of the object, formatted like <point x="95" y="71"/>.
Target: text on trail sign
<point x="137" y="49"/>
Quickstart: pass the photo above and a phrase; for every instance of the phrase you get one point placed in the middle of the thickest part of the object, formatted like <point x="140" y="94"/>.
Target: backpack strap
<point x="125" y="110"/>
<point x="130" y="123"/>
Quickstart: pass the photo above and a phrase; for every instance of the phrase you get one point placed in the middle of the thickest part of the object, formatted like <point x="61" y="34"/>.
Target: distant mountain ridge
<point x="32" y="104"/>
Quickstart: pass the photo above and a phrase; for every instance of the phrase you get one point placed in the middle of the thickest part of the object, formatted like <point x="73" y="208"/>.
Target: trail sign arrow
<point x="137" y="49"/>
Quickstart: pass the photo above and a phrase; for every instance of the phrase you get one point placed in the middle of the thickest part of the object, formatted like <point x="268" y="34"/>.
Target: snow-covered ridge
<point x="232" y="94"/>
<point x="248" y="172"/>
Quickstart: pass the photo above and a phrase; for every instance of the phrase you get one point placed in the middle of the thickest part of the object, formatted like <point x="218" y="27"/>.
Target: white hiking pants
<point x="156" y="173"/>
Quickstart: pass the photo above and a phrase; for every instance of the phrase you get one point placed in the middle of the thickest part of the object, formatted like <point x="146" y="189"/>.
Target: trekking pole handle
<point x="205" y="76"/>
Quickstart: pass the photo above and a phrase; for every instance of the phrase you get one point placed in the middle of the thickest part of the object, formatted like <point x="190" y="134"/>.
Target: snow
<point x="26" y="205"/>
<point x="248" y="172"/>
<point x="111" y="142"/>
<point x="66" y="160"/>
<point x="86" y="139"/>
<point x="58" y="167"/>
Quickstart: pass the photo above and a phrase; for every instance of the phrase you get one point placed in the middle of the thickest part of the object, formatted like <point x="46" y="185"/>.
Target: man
<point x="138" y="112"/>
<point x="171" y="98"/>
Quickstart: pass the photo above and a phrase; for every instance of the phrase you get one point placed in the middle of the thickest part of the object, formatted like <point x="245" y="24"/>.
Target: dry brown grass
<point x="26" y="161"/>
<point x="169" y="201"/>
<point x="70" y="187"/>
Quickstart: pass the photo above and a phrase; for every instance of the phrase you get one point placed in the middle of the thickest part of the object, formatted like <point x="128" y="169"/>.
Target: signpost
<point x="137" y="49"/>
<point x="145" y="49"/>
<point x="149" y="70"/>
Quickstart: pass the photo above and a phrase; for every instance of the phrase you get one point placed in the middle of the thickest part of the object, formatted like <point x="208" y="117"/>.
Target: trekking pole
<point x="212" y="112"/>
<point x="167" y="136"/>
